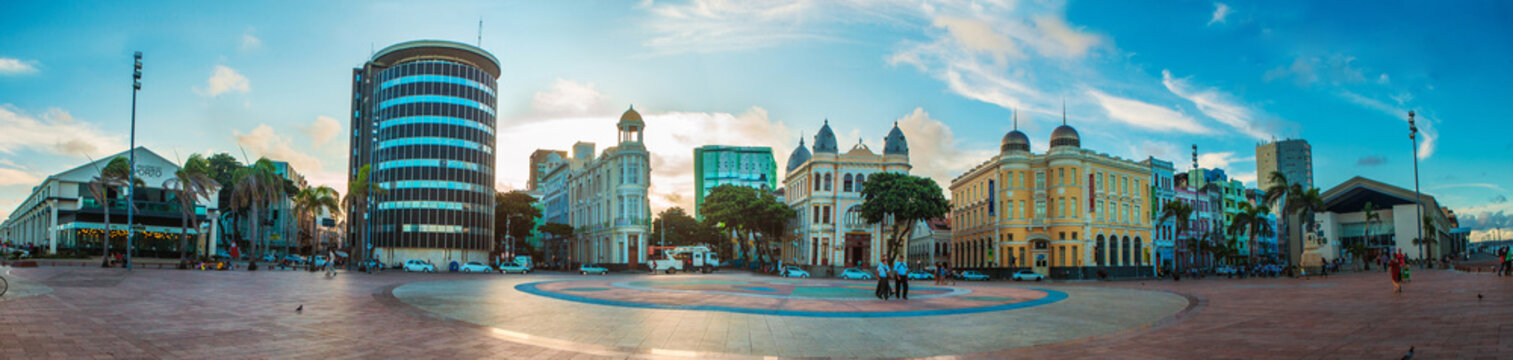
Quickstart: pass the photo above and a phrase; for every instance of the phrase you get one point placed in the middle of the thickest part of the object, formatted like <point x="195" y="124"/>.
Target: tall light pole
<point x="1418" y="198"/>
<point x="131" y="182"/>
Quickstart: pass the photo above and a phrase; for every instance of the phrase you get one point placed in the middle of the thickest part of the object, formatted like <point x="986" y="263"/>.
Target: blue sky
<point x="1137" y="78"/>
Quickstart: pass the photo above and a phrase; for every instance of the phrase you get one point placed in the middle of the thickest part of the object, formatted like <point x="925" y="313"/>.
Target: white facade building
<point x="604" y="198"/>
<point x="824" y="187"/>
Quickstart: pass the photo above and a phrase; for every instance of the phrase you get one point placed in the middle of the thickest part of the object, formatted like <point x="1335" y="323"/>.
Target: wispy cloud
<point x="1426" y="124"/>
<point x="264" y="141"/>
<point x="1216" y="105"/>
<point x="9" y="176"/>
<point x="934" y="150"/>
<point x="1487" y="186"/>
<point x="13" y="66"/>
<point x="54" y="131"/>
<point x="222" y="80"/>
<point x="249" y="41"/>
<point x="322" y="130"/>
<point x="1145" y="115"/>
<point x="1373" y="160"/>
<point x="722" y="25"/>
<point x="1221" y="12"/>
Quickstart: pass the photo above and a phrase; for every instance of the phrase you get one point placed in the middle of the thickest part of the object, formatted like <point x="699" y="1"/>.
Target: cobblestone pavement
<point x="106" y="313"/>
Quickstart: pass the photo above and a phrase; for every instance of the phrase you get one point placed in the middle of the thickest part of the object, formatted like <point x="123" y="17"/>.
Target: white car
<point x="592" y="269"/>
<point x="1023" y="275"/>
<point x="794" y="271"/>
<point x="418" y="266"/>
<point x="5" y="251"/>
<point x="474" y="266"/>
<point x="973" y="275"/>
<point x="506" y="268"/>
<point x="855" y="274"/>
<point x="921" y="275"/>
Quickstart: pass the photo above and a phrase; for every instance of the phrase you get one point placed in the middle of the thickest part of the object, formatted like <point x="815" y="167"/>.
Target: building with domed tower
<point x="604" y="197"/>
<point x="1068" y="213"/>
<point x="825" y="188"/>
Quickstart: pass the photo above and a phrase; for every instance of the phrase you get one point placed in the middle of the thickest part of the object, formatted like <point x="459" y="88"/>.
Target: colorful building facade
<point x="825" y="186"/>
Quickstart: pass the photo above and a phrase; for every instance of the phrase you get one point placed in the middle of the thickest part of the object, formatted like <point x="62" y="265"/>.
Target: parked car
<point x="592" y="269"/>
<point x="269" y="258"/>
<point x="506" y="268"/>
<point x="856" y="274"/>
<point x="973" y="275"/>
<point x="1023" y="275"/>
<point x="6" y="251"/>
<point x="920" y="275"/>
<point x="418" y="266"/>
<point x="474" y="266"/>
<point x="794" y="271"/>
<point x="1224" y="270"/>
<point x="319" y="260"/>
<point x="294" y="259"/>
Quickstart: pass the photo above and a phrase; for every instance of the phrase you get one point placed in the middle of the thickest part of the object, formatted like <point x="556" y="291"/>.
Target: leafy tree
<point x="899" y="201"/>
<point x="189" y="184"/>
<point x="1181" y="213"/>
<point x="358" y="191"/>
<point x="1372" y="218"/>
<point x="749" y="212"/>
<point x="557" y="235"/>
<point x="515" y="214"/>
<point x="1251" y="221"/>
<point x="1431" y="237"/>
<point x="112" y="178"/>
<point x="680" y="229"/>
<point x="1294" y="200"/>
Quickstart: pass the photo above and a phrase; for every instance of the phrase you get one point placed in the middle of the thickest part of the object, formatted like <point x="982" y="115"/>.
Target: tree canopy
<point x="682" y="230"/>
<point x="750" y="212"/>
<point x="898" y="201"/>
<point x="515" y="214"/>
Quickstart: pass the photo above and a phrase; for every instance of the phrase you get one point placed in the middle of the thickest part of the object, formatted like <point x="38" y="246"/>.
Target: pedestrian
<point x="331" y="262"/>
<point x="882" y="281"/>
<point x="901" y="280"/>
<point x="1324" y="268"/>
<point x="1396" y="268"/>
<point x="951" y="273"/>
<point x="1507" y="261"/>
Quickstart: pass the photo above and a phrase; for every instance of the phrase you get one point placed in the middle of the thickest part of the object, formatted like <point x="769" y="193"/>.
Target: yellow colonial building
<point x="1068" y="213"/>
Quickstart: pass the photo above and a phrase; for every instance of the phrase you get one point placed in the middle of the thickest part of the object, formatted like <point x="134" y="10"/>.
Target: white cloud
<point x="11" y="66"/>
<point x="1221" y="11"/>
<point x="263" y="141"/>
<point x="322" y="130"/>
<point x="1335" y="70"/>
<point x="250" y="41"/>
<point x="9" y="176"/>
<point x="1057" y="39"/>
<point x="1216" y="105"/>
<point x="670" y="138"/>
<point x="54" y="131"/>
<point x="977" y="36"/>
<point x="224" y="79"/>
<point x="726" y="25"/>
<point x="567" y="98"/>
<point x="1383" y="79"/>
<point x="1147" y="116"/>
<point x="1223" y="160"/>
<point x="1428" y="136"/>
<point x="933" y="149"/>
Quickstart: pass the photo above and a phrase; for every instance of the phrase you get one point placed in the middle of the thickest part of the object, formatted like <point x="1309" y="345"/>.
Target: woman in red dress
<point x="1396" y="268"/>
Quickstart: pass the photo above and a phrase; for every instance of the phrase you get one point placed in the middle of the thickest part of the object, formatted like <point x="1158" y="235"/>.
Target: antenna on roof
<point x="1015" y="113"/>
<point x="480" y="31"/>
<point x="1063" y="111"/>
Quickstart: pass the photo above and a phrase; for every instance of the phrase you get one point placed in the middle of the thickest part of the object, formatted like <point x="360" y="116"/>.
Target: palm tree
<point x="1372" y="217"/>
<point x="190" y="183"/>
<point x="308" y="202"/>
<point x="1294" y="199"/>
<point x="1430" y="238"/>
<point x="1251" y="221"/>
<point x="111" y="178"/>
<point x="256" y="186"/>
<point x="358" y="191"/>
<point x="1179" y="212"/>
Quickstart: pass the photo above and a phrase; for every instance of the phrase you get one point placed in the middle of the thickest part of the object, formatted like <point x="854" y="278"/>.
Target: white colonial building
<point x="604" y="198"/>
<point x="825" y="188"/>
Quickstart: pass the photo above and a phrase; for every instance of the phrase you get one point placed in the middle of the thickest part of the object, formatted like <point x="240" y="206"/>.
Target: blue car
<point x="973" y="275"/>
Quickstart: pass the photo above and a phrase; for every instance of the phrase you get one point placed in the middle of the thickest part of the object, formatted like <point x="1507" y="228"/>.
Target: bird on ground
<point x="1409" y="355"/>
<point x="1478" y="297"/>
<point x="300" y="309"/>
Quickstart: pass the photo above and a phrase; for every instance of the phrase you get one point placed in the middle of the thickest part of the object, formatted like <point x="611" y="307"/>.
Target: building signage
<point x="1092" y="193"/>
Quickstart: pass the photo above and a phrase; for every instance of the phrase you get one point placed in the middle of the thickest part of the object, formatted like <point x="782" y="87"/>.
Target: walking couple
<point x="899" y="273"/>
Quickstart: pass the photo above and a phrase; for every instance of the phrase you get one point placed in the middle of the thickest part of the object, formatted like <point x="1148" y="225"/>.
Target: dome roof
<point x="1065" y="136"/>
<point x="631" y="117"/>
<point x="895" y="144"/>
<point x="1015" y="141"/>
<point x="824" y="141"/>
<point x="799" y="156"/>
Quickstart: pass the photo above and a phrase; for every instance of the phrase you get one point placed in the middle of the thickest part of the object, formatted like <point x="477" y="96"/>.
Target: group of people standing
<point x="899" y="273"/>
<point x="1505" y="268"/>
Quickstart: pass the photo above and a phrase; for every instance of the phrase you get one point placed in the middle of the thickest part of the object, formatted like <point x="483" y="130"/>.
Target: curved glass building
<point x="423" y="118"/>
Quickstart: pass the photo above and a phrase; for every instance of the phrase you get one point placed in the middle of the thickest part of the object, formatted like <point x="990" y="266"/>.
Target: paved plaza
<point x="107" y="313"/>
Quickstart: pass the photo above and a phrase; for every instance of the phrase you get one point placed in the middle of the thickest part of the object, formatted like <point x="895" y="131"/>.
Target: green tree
<point x="1293" y="199"/>
<point x="257" y="186"/>
<point x="898" y="201"/>
<point x="1180" y="213"/>
<point x="358" y="191"/>
<point x="189" y="184"/>
<point x="309" y="202"/>
<point x="515" y="213"/>
<point x="103" y="187"/>
<point x="677" y="228"/>
<point x="1250" y="222"/>
<point x="557" y="235"/>
<point x="749" y="212"/>
<point x="1372" y="218"/>
<point x="1431" y="237"/>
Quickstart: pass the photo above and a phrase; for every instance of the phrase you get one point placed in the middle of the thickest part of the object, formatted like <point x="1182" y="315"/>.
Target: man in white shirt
<point x="882" y="280"/>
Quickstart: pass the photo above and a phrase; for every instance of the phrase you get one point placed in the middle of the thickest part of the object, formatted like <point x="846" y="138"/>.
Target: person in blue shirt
<point x="882" y="281"/>
<point x="901" y="279"/>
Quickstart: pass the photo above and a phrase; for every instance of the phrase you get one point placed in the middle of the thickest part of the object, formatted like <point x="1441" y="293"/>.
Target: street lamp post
<point x="131" y="186"/>
<point x="1418" y="198"/>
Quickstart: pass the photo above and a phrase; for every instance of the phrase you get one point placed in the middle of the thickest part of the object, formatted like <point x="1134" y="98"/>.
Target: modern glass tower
<point x="423" y="119"/>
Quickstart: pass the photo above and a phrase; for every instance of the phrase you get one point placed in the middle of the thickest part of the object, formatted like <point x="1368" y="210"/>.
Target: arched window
<point x="860" y="179"/>
<point x="846" y="183"/>
<point x="816" y="181"/>
<point x="828" y="182"/>
<point x="1124" y="257"/>
<point x="1098" y="250"/>
<point x="1139" y="251"/>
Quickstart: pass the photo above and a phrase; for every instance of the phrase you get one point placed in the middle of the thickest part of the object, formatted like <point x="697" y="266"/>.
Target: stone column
<point x="214" y="232"/>
<point x="52" y="225"/>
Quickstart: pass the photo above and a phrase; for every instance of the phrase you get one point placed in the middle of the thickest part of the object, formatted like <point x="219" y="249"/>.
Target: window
<point x="1061" y="236"/>
<point x="816" y="214"/>
<point x="1075" y="214"/>
<point x="1061" y="206"/>
<point x="1040" y="209"/>
<point x="827" y="215"/>
<point x="846" y="183"/>
<point x="1039" y="180"/>
<point x="1061" y="176"/>
<point x="816" y="180"/>
<point x="860" y="179"/>
<point x="828" y="181"/>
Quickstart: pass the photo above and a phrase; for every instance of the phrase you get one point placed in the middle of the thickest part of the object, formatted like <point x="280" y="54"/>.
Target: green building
<point x="715" y="165"/>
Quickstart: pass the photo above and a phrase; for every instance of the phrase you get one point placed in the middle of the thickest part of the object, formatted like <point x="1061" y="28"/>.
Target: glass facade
<point x="431" y="126"/>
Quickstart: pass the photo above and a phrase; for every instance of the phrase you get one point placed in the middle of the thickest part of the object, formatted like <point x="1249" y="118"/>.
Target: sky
<point x="1137" y="79"/>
